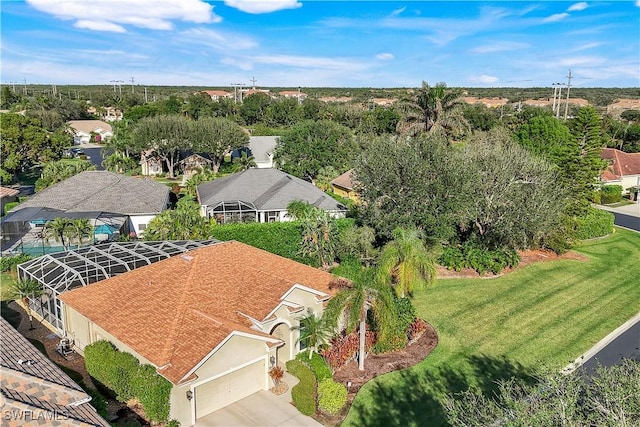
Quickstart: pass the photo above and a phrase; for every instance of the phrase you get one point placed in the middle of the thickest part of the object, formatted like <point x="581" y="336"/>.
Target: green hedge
<point x="317" y="364"/>
<point x="9" y="263"/>
<point x="332" y="396"/>
<point x="610" y="194"/>
<point x="474" y="256"/>
<point x="280" y="238"/>
<point x="596" y="223"/>
<point x="123" y="374"/>
<point x="303" y="393"/>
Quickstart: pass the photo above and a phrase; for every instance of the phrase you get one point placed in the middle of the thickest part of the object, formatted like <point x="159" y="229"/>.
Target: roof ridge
<point x="272" y="191"/>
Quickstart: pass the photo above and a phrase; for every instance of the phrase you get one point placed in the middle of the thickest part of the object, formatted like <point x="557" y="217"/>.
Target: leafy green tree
<point x="283" y="112"/>
<point x="480" y="117"/>
<point x="435" y="110"/>
<point x="58" y="171"/>
<point x="202" y="175"/>
<point x="309" y="146"/>
<point x="314" y="331"/>
<point x="405" y="262"/>
<point x="358" y="242"/>
<point x="298" y="210"/>
<point x="379" y="121"/>
<point x="325" y="176"/>
<point x="182" y="223"/>
<point x="119" y="163"/>
<point x="217" y="137"/>
<point x="164" y="137"/>
<point x="254" y="107"/>
<point x="548" y="137"/>
<point x="355" y="300"/>
<point x="411" y="183"/>
<point x="9" y="98"/>
<point x="198" y="105"/>
<point x="23" y="289"/>
<point x="60" y="230"/>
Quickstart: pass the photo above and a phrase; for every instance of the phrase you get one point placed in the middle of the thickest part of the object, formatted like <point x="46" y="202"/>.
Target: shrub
<point x="343" y="349"/>
<point x="479" y="258"/>
<point x="610" y="194"/>
<point x="417" y="327"/>
<point x="10" y="263"/>
<point x="303" y="393"/>
<point x="317" y="364"/>
<point x="276" y="373"/>
<point x="122" y="373"/>
<point x="332" y="396"/>
<point x="595" y="223"/>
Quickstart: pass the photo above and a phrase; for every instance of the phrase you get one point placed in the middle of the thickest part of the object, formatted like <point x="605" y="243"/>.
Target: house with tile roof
<point x="212" y="320"/>
<point x="217" y="95"/>
<point x="139" y="199"/>
<point x="35" y="391"/>
<point x="83" y="130"/>
<point x="260" y="195"/>
<point x="7" y="195"/>
<point x="622" y="169"/>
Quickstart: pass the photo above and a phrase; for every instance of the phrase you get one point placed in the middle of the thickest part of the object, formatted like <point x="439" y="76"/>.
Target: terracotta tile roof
<point x="176" y="311"/>
<point x="345" y="180"/>
<point x="218" y="93"/>
<point x="620" y="164"/>
<point x="89" y="126"/>
<point x="8" y="192"/>
<point x="31" y="382"/>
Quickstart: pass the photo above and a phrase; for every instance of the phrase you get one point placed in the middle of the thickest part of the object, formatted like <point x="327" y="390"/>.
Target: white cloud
<point x="502" y="46"/>
<point x="262" y="6"/>
<point x="309" y="62"/>
<point x="576" y="7"/>
<point x="402" y="9"/>
<point x="587" y="46"/>
<point x="582" y="61"/>
<point x="114" y="15"/>
<point x="555" y="17"/>
<point x="385" y="56"/>
<point x="484" y="79"/>
<point x="638" y="3"/>
<point x="217" y="39"/>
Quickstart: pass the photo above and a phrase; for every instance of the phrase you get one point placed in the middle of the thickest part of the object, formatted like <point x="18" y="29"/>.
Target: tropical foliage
<point x="24" y="289"/>
<point x="182" y="223"/>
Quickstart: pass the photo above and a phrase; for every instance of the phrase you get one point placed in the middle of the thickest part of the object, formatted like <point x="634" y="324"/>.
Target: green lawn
<point x="544" y="315"/>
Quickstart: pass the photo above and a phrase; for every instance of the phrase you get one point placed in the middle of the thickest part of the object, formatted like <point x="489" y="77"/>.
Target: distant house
<point x="300" y="96"/>
<point x="110" y="114"/>
<point x="217" y="95"/>
<point x="38" y="391"/>
<point x="260" y="195"/>
<point x="261" y="148"/>
<point x="623" y="169"/>
<point x="84" y="130"/>
<point x="212" y="320"/>
<point x="193" y="163"/>
<point x="7" y="195"/>
<point x="621" y="105"/>
<point x="487" y="102"/>
<point x="137" y="200"/>
<point x="150" y="164"/>
<point x="344" y="185"/>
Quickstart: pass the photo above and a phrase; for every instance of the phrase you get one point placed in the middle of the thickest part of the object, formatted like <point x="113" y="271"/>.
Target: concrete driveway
<point x="260" y="409"/>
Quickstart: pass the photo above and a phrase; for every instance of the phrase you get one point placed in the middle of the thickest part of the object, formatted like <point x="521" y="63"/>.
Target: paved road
<point x="627" y="221"/>
<point x="626" y="345"/>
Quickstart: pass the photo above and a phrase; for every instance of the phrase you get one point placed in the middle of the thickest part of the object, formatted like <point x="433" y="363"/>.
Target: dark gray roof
<point x="262" y="147"/>
<point x="92" y="191"/>
<point x="30" y="379"/>
<point x="266" y="189"/>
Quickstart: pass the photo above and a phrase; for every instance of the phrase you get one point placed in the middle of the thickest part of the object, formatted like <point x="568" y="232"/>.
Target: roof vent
<point x="186" y="257"/>
<point x="27" y="362"/>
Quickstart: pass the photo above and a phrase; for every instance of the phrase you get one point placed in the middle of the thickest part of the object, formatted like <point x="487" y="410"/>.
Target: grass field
<point x="543" y="315"/>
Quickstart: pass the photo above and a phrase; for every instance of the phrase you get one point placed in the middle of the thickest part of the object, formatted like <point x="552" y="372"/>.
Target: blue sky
<point x="291" y="43"/>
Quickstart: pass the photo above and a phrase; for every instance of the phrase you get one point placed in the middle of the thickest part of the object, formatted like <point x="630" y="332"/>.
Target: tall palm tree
<point x="354" y="301"/>
<point x="24" y="289"/>
<point x="60" y="229"/>
<point x="434" y="110"/>
<point x="406" y="263"/>
<point x="245" y="162"/>
<point x="81" y="228"/>
<point x="319" y="237"/>
<point x="314" y="331"/>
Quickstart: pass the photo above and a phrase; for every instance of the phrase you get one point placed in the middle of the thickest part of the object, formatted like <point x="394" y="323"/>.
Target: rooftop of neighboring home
<point x="620" y="164"/>
<point x="266" y="189"/>
<point x="218" y="93"/>
<point x="175" y="311"/>
<point x="8" y="192"/>
<point x="345" y="180"/>
<point x="32" y="382"/>
<point x="92" y="191"/>
<point x="88" y="126"/>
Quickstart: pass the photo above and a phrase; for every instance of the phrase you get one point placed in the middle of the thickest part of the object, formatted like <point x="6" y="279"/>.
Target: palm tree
<point x="298" y="209"/>
<point x="406" y="262"/>
<point x="24" y="289"/>
<point x="365" y="293"/>
<point x="59" y="229"/>
<point x="314" y="331"/>
<point x="319" y="237"/>
<point x="200" y="176"/>
<point x="435" y="110"/>
<point x="81" y="227"/>
<point x="245" y="162"/>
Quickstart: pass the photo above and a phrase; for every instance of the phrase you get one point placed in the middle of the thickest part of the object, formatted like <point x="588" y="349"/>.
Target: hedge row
<point x="596" y="223"/>
<point x="610" y="194"/>
<point x="303" y="393"/>
<point x="317" y="364"/>
<point x="280" y="238"/>
<point x="478" y="258"/>
<point x="9" y="263"/>
<point x="123" y="374"/>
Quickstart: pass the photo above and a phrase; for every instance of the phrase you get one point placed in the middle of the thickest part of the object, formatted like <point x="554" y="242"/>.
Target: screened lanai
<point x="63" y="271"/>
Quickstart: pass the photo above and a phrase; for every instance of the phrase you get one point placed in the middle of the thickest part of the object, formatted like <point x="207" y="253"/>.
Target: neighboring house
<point x="217" y="95"/>
<point x="7" y="195"/>
<point x="150" y="164"/>
<point x="300" y="96"/>
<point x="110" y="114"/>
<point x="623" y="169"/>
<point x="621" y="105"/>
<point x="261" y="148"/>
<point x="139" y="199"/>
<point x="343" y="186"/>
<point x="83" y="130"/>
<point x="260" y="195"/>
<point x="487" y="102"/>
<point x="212" y="321"/>
<point x="35" y="391"/>
<point x="194" y="163"/>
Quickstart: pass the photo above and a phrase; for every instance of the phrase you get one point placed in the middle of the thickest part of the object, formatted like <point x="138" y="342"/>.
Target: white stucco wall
<point x="136" y="220"/>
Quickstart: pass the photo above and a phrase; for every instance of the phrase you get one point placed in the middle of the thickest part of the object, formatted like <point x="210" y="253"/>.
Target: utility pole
<point x="145" y="95"/>
<point x="566" y="107"/>
<point x="253" y="82"/>
<point x="237" y="97"/>
<point x="132" y="81"/>
<point x="25" y="86"/>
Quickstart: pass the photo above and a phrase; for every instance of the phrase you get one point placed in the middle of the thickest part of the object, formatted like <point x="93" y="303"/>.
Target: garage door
<point x="229" y="388"/>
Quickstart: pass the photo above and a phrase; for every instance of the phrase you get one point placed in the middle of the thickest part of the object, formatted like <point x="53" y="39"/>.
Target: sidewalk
<point x="633" y="210"/>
